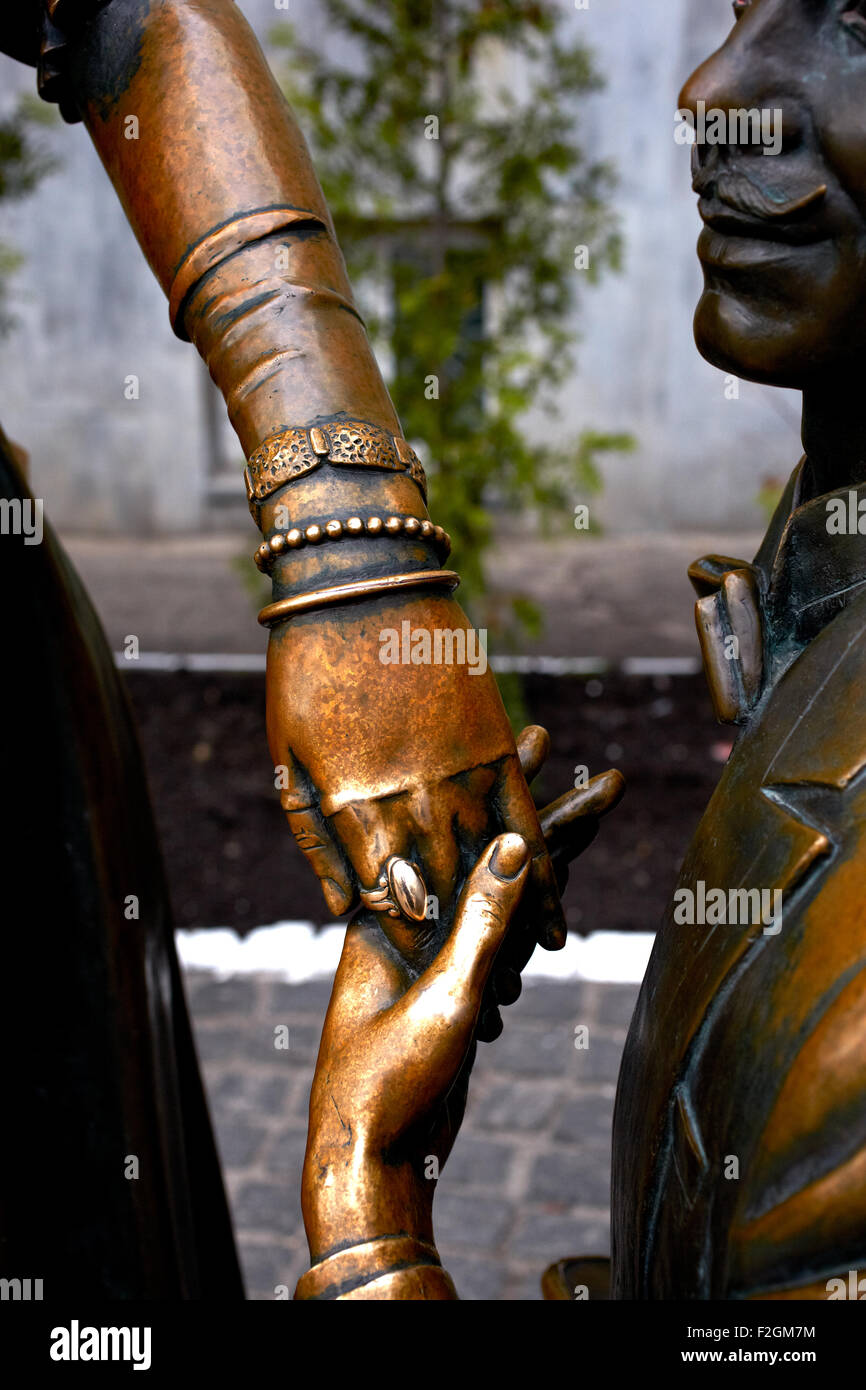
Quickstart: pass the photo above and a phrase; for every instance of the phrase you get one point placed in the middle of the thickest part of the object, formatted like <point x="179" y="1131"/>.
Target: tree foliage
<point x="446" y="134"/>
<point x="23" y="162"/>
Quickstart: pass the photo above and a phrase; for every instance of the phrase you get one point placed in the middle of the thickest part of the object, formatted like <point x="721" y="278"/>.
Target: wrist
<point x="352" y="1198"/>
<point x="350" y="546"/>
<point x="392" y="1267"/>
<point x="340" y="500"/>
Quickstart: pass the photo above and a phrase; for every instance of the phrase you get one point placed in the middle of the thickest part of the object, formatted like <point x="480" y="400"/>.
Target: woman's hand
<point x="415" y="761"/>
<point x="408" y="760"/>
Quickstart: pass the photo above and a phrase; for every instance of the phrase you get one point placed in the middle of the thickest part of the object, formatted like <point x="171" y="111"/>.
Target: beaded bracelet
<point x="296" y="538"/>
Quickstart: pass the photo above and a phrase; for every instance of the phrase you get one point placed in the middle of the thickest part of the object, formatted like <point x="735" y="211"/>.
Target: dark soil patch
<point x="231" y="861"/>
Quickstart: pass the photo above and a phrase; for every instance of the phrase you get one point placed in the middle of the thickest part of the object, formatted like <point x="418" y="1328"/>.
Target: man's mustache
<point x="740" y="192"/>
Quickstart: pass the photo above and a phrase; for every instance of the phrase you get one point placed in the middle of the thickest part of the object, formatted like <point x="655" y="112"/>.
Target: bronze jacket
<point x="740" y="1126"/>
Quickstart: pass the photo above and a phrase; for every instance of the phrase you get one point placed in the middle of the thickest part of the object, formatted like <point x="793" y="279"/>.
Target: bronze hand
<point x="392" y="1048"/>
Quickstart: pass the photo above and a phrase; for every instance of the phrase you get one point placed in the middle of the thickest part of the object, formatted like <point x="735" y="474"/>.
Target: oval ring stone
<point x="408" y="889"/>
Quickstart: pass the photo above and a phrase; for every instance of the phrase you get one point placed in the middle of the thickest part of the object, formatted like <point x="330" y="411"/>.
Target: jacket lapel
<point x="766" y="828"/>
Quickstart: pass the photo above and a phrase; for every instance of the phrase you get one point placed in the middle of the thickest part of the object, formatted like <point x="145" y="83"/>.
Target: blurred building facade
<point x="125" y="431"/>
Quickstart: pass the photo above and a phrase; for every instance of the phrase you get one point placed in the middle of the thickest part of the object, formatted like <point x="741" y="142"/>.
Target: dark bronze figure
<point x="748" y="1039"/>
<point x="110" y="1185"/>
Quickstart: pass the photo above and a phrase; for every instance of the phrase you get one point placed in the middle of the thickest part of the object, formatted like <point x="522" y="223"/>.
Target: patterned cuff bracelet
<point x="354" y="527"/>
<point x="293" y="452"/>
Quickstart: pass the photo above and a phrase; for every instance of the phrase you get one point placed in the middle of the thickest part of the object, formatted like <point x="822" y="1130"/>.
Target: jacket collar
<point x="809" y="566"/>
<point x="813" y="559"/>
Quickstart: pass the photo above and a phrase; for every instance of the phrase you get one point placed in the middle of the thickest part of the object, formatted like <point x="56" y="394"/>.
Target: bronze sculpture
<point x="240" y="238"/>
<point x="220" y="192"/>
<point x="109" y="1179"/>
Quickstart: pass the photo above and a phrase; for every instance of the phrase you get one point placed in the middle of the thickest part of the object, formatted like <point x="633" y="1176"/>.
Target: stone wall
<point x="90" y="316"/>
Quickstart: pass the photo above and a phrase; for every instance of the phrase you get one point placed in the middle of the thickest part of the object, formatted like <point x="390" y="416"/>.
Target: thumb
<point x="415" y="1049"/>
<point x="489" y="898"/>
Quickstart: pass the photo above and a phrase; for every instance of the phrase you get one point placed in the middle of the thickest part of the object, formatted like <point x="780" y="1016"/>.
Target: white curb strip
<point x="295" y="952"/>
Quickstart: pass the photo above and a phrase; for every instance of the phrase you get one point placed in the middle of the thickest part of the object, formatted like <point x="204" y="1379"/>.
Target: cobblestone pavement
<point x="527" y="1181"/>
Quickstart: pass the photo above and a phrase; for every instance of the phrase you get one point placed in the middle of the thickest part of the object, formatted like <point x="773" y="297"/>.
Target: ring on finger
<point x="400" y="891"/>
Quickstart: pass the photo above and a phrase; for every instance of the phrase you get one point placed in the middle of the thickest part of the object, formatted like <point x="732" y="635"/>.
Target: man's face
<point x="783" y="246"/>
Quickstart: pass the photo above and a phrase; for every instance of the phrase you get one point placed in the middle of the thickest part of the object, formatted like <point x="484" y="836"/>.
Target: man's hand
<point x="394" y="1062"/>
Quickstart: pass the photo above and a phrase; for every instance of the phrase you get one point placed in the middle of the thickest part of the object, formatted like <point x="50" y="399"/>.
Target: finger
<point x="435" y="1019"/>
<point x="325" y="858"/>
<point x="507" y="984"/>
<point x="437" y="829"/>
<point x="486" y="905"/>
<point x="533" y="750"/>
<point x="313" y="838"/>
<point x="460" y="972"/>
<point x="600" y="795"/>
<point x="510" y="963"/>
<point x="490" y="1025"/>
<point x="371" y="833"/>
<point x="435" y="815"/>
<point x="570" y="823"/>
<point x="519" y="815"/>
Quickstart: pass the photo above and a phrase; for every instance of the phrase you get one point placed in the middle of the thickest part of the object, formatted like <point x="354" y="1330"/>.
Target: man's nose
<point x="746" y="74"/>
<point x="712" y="84"/>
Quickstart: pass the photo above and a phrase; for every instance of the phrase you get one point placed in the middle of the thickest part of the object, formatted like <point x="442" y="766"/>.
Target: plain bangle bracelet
<point x="421" y="1283"/>
<point x="358" y="589"/>
<point x="341" y="1274"/>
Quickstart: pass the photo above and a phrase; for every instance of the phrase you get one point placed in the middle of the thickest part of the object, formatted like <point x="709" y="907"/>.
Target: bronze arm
<point x="217" y="183"/>
<point x="411" y="762"/>
<point x="393" y="1070"/>
<point x="397" y="775"/>
<point x="215" y="171"/>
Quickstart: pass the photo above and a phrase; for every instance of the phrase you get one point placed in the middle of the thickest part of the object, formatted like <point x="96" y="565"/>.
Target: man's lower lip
<point x="722" y="252"/>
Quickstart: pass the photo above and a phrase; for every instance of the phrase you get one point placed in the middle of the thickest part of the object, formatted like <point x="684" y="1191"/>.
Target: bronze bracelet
<point x="360" y="588"/>
<point x="354" y="527"/>
<point x="339" y="1275"/>
<point x="417" y="1284"/>
<point x="296" y="451"/>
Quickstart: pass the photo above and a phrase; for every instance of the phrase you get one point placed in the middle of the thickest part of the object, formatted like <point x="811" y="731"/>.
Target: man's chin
<point x="740" y="340"/>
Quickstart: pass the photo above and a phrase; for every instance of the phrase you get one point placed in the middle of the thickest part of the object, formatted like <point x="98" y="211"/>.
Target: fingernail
<point x="509" y="856"/>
